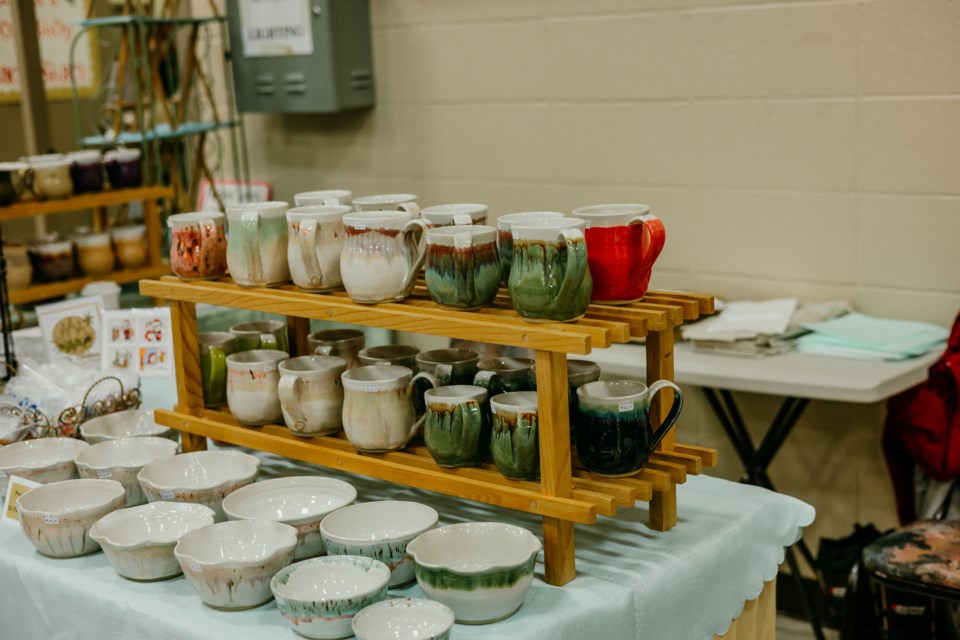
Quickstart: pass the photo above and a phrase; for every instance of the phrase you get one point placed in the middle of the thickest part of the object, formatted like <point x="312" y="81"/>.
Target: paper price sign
<point x="16" y="488"/>
<point x="626" y="405"/>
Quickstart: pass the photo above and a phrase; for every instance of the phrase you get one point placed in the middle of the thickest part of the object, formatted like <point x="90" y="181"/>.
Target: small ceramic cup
<point x="614" y="434"/>
<point x="315" y="240"/>
<point x="382" y="255"/>
<point x="215" y="346"/>
<point x="378" y="407"/>
<point x="123" y="168"/>
<point x="401" y="355"/>
<point x="579" y="373"/>
<point x="55" y="259"/>
<point x="343" y="343"/>
<point x="266" y="334"/>
<point x="257" y="244"/>
<point x="462" y="268"/>
<point x="450" y="366"/>
<point x="326" y="198"/>
<point x="130" y="245"/>
<point x="501" y="375"/>
<point x="12" y="181"/>
<point x="95" y="253"/>
<point x="198" y="245"/>
<point x="50" y="178"/>
<point x="456" y="430"/>
<point x="311" y="394"/>
<point x="19" y="269"/>
<point x="505" y="235"/>
<point x="446" y="215"/>
<point x="252" y="381"/>
<point x="515" y="442"/>
<point x="388" y="202"/>
<point x="86" y="171"/>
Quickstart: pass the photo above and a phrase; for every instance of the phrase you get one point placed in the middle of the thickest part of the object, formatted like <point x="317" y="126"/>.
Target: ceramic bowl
<point x="230" y="564"/>
<point x="379" y="530"/>
<point x="481" y="570"/>
<point x="404" y="618"/>
<point x="57" y="517"/>
<point x="42" y="460"/>
<point x="319" y="597"/>
<point x="122" y="459"/>
<point x="133" y="423"/>
<point x="139" y="541"/>
<point x="202" y="477"/>
<point x="300" y="501"/>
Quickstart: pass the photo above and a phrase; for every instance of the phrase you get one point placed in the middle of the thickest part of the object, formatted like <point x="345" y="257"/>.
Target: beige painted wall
<point x="793" y="148"/>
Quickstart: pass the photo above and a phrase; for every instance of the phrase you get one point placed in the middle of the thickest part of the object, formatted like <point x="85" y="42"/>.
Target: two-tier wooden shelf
<point x="565" y="494"/>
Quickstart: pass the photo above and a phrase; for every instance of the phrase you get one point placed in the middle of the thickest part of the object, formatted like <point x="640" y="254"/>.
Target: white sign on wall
<point x="275" y="28"/>
<point x="56" y="28"/>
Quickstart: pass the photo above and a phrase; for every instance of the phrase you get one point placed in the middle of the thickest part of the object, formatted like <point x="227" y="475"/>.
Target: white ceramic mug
<point x="327" y="198"/>
<point x="315" y="240"/>
<point x="382" y="255"/>
<point x="388" y="202"/>
<point x="446" y="215"/>
<point x="378" y="407"/>
<point x="257" y="244"/>
<point x="252" y="380"/>
<point x="311" y="394"/>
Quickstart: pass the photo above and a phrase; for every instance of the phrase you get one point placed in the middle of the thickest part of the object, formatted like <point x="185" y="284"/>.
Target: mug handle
<point x="323" y="350"/>
<point x="461" y="219"/>
<point x="444" y="371"/>
<point x="307" y="241"/>
<point x="410" y="207"/>
<point x="218" y="368"/>
<point x="576" y="263"/>
<point x="672" y="415"/>
<point x="206" y="248"/>
<point x="289" y="391"/>
<point x="418" y="249"/>
<point x="268" y="341"/>
<point x="491" y="381"/>
<point x="432" y="379"/>
<point x="331" y="202"/>
<point x="652" y="241"/>
<point x="250" y="223"/>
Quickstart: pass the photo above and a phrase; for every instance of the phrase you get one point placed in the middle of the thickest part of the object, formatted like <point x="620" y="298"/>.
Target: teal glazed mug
<point x="462" y="268"/>
<point x="579" y="373"/>
<point x="456" y="430"/>
<point x="268" y="334"/>
<point x="257" y="244"/>
<point x="515" y="440"/>
<point x="451" y="366"/>
<point x="549" y="278"/>
<point x="614" y="434"/>
<point x="214" y="349"/>
<point x="501" y="375"/>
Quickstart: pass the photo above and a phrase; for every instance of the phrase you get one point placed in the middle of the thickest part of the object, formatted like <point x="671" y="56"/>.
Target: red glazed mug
<point x="623" y="242"/>
<point x="198" y="245"/>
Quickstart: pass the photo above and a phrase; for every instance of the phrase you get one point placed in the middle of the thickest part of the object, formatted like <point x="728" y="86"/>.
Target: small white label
<point x="626" y="405"/>
<point x="184" y="506"/>
<point x="104" y="473"/>
<point x="51" y="518"/>
<point x="166" y="494"/>
<point x="270" y="366"/>
<point x="371" y="387"/>
<point x="359" y="226"/>
<point x="196" y="567"/>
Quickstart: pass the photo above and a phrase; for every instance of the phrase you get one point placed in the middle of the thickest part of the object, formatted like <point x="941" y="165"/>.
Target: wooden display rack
<point x="565" y="493"/>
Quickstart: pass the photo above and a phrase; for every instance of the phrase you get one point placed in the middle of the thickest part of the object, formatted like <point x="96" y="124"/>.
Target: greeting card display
<point x="72" y="329"/>
<point x="138" y="340"/>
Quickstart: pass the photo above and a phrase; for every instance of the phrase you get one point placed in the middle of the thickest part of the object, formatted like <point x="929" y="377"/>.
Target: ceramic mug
<point x="501" y="375"/>
<point x="266" y="334"/>
<point x="123" y="168"/>
<point x="378" y="407"/>
<point x="326" y="198"/>
<point x="614" y="434"/>
<point x="456" y="430"/>
<point x="257" y="244"/>
<point x="450" y="366"/>
<point x="343" y="343"/>
<point x="401" y="355"/>
<point x="50" y="179"/>
<point x="462" y="268"/>
<point x="86" y="171"/>
<point x="623" y="242"/>
<point x="311" y="394"/>
<point x="95" y="253"/>
<point x="252" y="381"/>
<point x="388" y="202"/>
<point x="382" y="255"/>
<point x="12" y="184"/>
<point x="549" y="278"/>
<point x="55" y="259"/>
<point x="446" y="215"/>
<point x="130" y="245"/>
<point x="579" y="373"/>
<point x="515" y="441"/>
<point x="198" y="245"/>
<point x="215" y="346"/>
<point x="505" y="236"/>
<point x="315" y="240"/>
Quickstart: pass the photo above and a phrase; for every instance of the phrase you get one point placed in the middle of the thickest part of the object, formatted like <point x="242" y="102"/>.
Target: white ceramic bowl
<point x="57" y="517"/>
<point x="122" y="459"/>
<point x="481" y="570"/>
<point x="379" y="530"/>
<point x="203" y="477"/>
<point x="230" y="564"/>
<point x="404" y="618"/>
<point x="300" y="501"/>
<point x="139" y="541"/>
<point x="133" y="423"/>
<point x="42" y="460"/>
<point x="319" y="597"/>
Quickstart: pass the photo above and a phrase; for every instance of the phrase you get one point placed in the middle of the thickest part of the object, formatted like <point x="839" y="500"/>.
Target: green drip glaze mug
<point x="505" y="235"/>
<point x="268" y="334"/>
<point x="515" y="441"/>
<point x="257" y="244"/>
<point x="215" y="346"/>
<point x="462" y="268"/>
<point x="456" y="430"/>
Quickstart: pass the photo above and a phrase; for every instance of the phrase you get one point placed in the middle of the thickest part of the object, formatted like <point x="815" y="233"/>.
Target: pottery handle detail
<point x="307" y="241"/>
<point x="289" y="391"/>
<point x="653" y="239"/>
<point x="207" y="237"/>
<point x="672" y="415"/>
<point x="418" y="249"/>
<point x="411" y="387"/>
<point x="576" y="264"/>
<point x="250" y="223"/>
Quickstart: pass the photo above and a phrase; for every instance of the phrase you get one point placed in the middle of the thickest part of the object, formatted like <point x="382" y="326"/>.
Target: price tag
<point x="104" y="473"/>
<point x="371" y="387"/>
<point x="185" y="506"/>
<point x="626" y="405"/>
<point x="15" y="488"/>
<point x="359" y="226"/>
<point x="196" y="568"/>
<point x="166" y="494"/>
<point x="51" y="518"/>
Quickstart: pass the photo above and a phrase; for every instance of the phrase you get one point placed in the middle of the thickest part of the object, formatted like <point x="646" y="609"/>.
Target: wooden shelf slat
<point x="706" y="301"/>
<point x="708" y="457"/>
<point x="46" y="291"/>
<point x="84" y="201"/>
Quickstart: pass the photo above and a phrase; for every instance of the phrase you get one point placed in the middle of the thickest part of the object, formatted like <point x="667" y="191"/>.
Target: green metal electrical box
<point x="301" y="56"/>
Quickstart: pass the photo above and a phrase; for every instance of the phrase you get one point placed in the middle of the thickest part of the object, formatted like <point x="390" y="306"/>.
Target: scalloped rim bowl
<point x="139" y="541"/>
<point x="132" y="423"/>
<point x="122" y="459"/>
<point x="230" y="564"/>
<point x="300" y="501"/>
<point x="319" y="597"/>
<point x="379" y="530"/>
<point x="42" y="460"/>
<point x="57" y="517"/>
<point x="203" y="477"/>
<point x="481" y="570"/>
<point x="404" y="618"/>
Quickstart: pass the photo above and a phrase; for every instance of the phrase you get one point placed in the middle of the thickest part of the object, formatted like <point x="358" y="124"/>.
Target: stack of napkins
<point x="867" y="338"/>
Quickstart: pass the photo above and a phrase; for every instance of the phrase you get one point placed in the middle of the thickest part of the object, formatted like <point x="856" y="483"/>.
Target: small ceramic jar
<point x="95" y="254"/>
<point x="86" y="171"/>
<point x="55" y="259"/>
<point x="123" y="168"/>
<point x="50" y="179"/>
<point x="19" y="269"/>
<point x="130" y="246"/>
